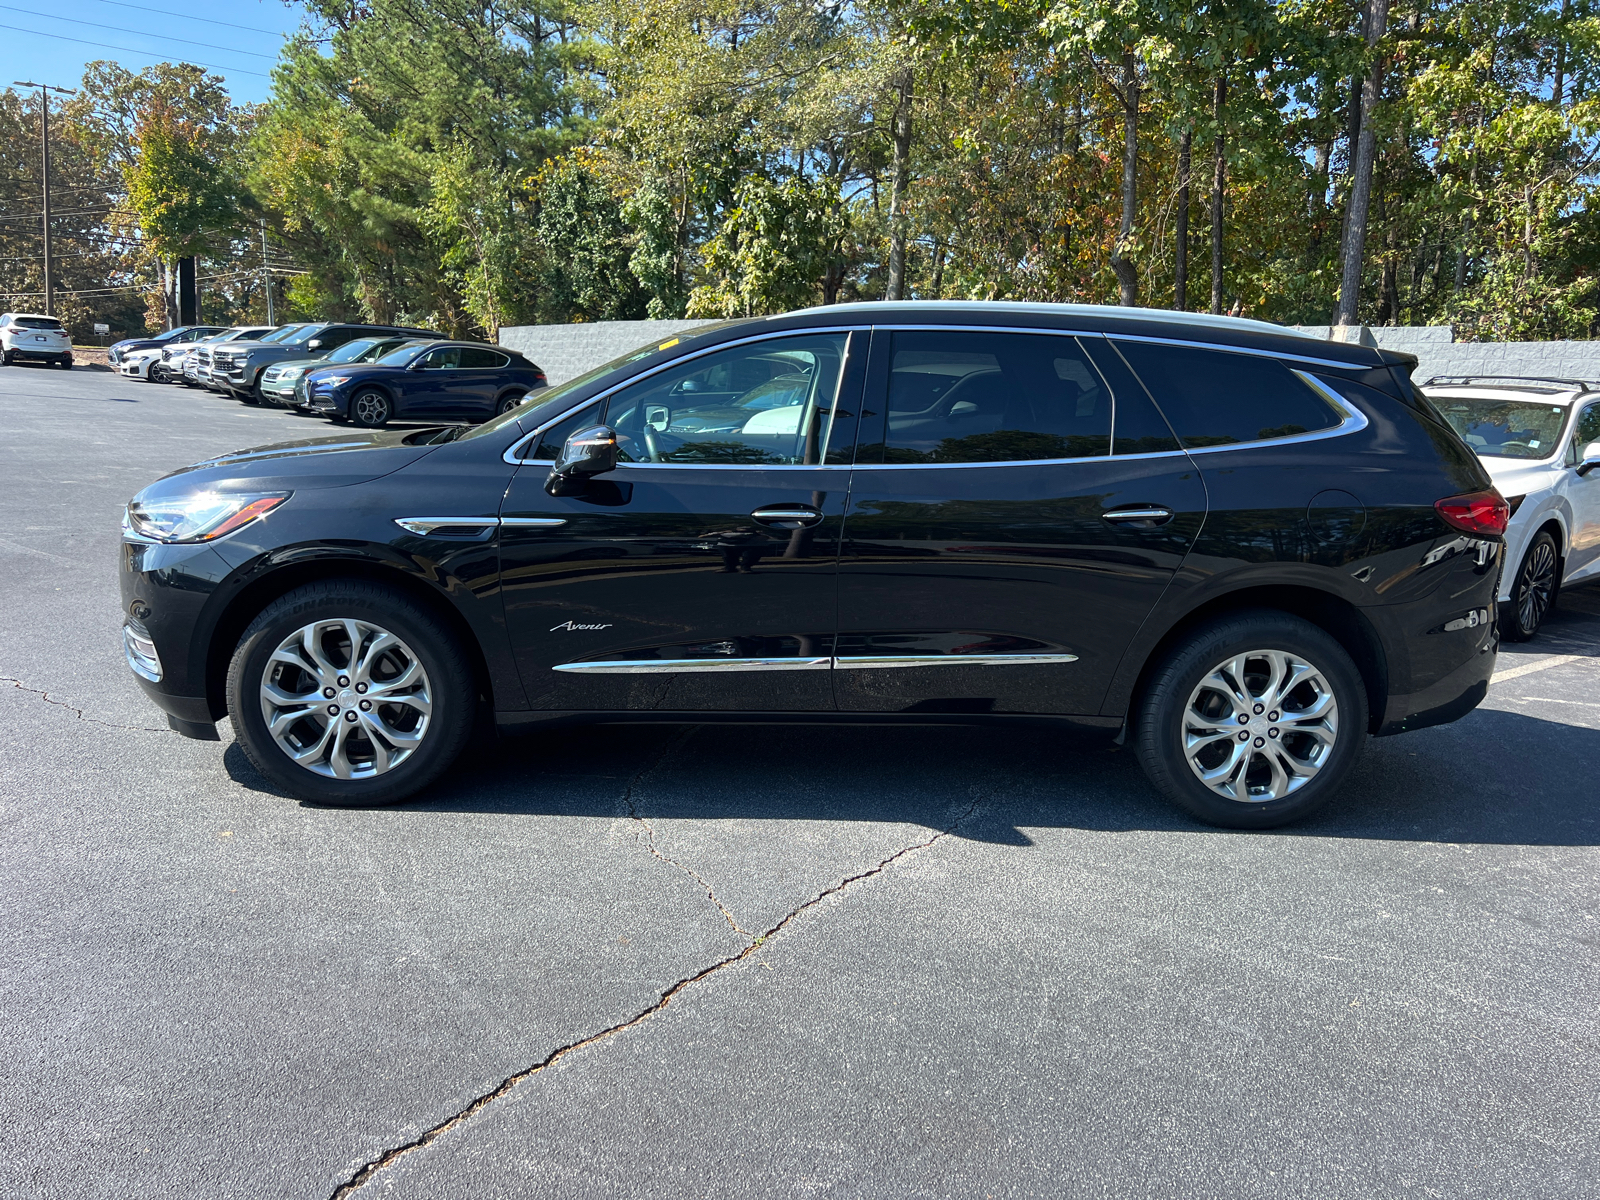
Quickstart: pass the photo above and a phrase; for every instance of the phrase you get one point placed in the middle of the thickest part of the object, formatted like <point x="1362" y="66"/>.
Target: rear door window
<point x="965" y="396"/>
<point x="481" y="360"/>
<point x="1217" y="398"/>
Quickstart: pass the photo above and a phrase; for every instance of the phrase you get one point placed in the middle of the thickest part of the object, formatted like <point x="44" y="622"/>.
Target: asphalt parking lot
<point x="720" y="962"/>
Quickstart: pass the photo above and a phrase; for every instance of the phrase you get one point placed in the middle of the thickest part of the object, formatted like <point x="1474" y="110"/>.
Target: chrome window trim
<point x="1354" y="419"/>
<point x="656" y="666"/>
<point x="949" y="660"/>
<point x="511" y="457"/>
<point x="1282" y="355"/>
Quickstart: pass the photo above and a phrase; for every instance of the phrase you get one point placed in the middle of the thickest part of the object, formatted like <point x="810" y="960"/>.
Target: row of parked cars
<point x="367" y="375"/>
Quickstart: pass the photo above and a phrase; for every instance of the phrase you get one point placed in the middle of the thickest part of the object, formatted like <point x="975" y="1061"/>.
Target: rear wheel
<point x="371" y="408"/>
<point x="346" y="693"/>
<point x="66" y="362"/>
<point x="1533" y="591"/>
<point x="510" y="401"/>
<point x="1253" y="721"/>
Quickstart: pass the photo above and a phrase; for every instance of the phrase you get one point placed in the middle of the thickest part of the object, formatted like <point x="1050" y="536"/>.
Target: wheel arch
<point x="245" y="606"/>
<point x="1333" y="614"/>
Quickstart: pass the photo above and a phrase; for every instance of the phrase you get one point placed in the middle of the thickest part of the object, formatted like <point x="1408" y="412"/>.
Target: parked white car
<point x="1540" y="440"/>
<point x="136" y="363"/>
<point x="34" y="337"/>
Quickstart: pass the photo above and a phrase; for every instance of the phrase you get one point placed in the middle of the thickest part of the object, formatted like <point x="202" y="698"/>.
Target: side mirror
<point x="588" y="452"/>
<point x="1591" y="458"/>
<point x="314" y="344"/>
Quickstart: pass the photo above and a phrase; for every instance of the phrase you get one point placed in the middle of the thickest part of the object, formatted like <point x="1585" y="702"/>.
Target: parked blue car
<point x="422" y="380"/>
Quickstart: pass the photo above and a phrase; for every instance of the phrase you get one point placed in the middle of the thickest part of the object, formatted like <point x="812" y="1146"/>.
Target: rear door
<point x="998" y="556"/>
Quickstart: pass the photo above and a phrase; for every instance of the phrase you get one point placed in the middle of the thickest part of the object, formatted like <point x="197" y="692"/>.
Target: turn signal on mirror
<point x="1484" y="513"/>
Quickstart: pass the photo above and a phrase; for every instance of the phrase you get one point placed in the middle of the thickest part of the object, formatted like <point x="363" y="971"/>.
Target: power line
<point x="61" y="37"/>
<point x="165" y="37"/>
<point x="186" y="17"/>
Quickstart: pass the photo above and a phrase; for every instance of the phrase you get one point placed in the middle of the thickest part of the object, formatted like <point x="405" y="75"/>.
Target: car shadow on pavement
<point x="1495" y="777"/>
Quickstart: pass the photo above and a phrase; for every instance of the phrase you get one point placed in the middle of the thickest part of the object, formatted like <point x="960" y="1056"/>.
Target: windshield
<point x="1505" y="428"/>
<point x="352" y="351"/>
<point x="301" y="334"/>
<point x="36" y="323"/>
<point x="171" y="334"/>
<point x="281" y="335"/>
<point x="402" y="355"/>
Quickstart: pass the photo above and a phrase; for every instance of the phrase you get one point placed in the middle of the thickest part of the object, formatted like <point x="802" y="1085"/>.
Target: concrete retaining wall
<point x="565" y="351"/>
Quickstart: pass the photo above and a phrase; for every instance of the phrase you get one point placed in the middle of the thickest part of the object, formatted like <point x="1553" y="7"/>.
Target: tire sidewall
<point x="449" y="678"/>
<point x="1160" y="742"/>
<point x="1512" y="629"/>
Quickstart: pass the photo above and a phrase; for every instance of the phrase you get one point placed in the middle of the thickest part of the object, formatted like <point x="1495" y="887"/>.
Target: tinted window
<point x="442" y="360"/>
<point x="767" y="402"/>
<point x="1588" y="428"/>
<point x="552" y="439"/>
<point x="481" y="359"/>
<point x="957" y="396"/>
<point x="1213" y="398"/>
<point x="37" y="323"/>
<point x="1136" y="426"/>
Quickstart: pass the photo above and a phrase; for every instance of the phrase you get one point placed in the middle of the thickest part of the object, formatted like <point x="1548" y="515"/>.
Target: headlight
<point x="287" y="372"/>
<point x="334" y="380"/>
<point x="202" y="517"/>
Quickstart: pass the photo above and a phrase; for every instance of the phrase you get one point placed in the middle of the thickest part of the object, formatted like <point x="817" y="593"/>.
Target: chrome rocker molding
<point x="426" y="525"/>
<point x="656" y="666"/>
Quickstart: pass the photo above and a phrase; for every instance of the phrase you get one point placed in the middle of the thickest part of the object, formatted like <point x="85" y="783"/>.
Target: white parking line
<point x="1544" y="664"/>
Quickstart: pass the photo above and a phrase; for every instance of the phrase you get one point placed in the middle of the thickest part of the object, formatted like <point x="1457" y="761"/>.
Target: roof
<point x="1097" y="312"/>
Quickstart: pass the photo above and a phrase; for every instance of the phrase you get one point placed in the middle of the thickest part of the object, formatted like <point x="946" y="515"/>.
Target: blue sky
<point x="34" y="41"/>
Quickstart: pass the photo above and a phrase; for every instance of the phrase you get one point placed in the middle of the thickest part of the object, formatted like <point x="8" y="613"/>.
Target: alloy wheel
<point x="1535" y="583"/>
<point x="346" y="699"/>
<point x="1260" y="725"/>
<point x="370" y="409"/>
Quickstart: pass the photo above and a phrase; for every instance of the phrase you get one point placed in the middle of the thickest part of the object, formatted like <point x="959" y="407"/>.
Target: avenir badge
<point x="573" y="625"/>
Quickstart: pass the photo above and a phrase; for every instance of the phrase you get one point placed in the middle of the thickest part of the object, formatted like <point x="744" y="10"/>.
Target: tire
<point x="66" y="362"/>
<point x="155" y="374"/>
<point x="508" y="402"/>
<point x="1287" y="767"/>
<point x="6" y="359"/>
<point x="370" y="409"/>
<point x="354" y="757"/>
<point x="1533" y="590"/>
<point x="249" y="397"/>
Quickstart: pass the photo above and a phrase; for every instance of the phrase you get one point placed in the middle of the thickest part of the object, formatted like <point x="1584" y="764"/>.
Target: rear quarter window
<point x="1217" y="398"/>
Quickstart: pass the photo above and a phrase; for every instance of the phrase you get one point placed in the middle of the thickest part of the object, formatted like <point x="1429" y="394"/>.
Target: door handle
<point x="1145" y="516"/>
<point x="787" y="516"/>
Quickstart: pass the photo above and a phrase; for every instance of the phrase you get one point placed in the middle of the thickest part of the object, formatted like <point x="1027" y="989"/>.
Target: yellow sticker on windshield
<point x="668" y="345"/>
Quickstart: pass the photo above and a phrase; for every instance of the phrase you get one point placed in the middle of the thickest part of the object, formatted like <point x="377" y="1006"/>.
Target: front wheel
<point x="345" y="693"/>
<point x="1252" y="721"/>
<point x="1533" y="591"/>
<point x="370" y="408"/>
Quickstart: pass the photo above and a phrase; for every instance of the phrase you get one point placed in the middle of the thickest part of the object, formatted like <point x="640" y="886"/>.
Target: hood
<point x="1517" y="476"/>
<point x="363" y="369"/>
<point x="325" y="462"/>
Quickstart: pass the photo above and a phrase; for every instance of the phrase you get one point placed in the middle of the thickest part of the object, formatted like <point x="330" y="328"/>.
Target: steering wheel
<point x="651" y="446"/>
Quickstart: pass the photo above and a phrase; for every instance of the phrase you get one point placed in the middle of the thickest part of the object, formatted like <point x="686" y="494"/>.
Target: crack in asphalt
<point x="75" y="711"/>
<point x="427" y="1137"/>
<point x="674" y="744"/>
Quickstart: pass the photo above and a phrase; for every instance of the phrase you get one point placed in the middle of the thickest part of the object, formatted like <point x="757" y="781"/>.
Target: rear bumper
<point x="1447" y="699"/>
<point x="34" y="354"/>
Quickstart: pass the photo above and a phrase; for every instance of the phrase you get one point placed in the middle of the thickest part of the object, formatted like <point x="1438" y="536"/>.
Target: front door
<point x="701" y="574"/>
<point x="998" y="556"/>
<point x="1583" y="494"/>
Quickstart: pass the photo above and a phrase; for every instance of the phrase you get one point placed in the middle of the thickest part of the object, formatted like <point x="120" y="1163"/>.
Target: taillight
<point x="1484" y="513"/>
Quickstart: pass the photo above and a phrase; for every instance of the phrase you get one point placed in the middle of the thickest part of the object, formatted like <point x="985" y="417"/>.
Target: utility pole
<point x="266" y="272"/>
<point x="44" y="138"/>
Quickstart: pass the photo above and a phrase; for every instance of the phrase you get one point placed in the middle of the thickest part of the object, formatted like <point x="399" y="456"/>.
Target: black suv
<point x="1240" y="549"/>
